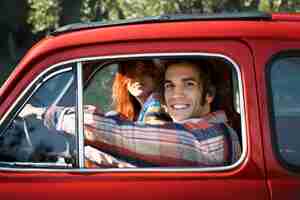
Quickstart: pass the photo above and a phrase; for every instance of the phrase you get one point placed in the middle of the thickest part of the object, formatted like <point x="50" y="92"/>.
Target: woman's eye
<point x="168" y="86"/>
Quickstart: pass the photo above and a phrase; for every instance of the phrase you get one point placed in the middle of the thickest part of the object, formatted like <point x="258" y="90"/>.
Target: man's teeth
<point x="180" y="106"/>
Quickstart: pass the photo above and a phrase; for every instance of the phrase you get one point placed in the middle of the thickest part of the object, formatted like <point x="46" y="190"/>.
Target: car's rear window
<point x="285" y="95"/>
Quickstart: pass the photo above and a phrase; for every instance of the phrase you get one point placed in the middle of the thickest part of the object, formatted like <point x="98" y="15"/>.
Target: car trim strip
<point x="45" y="76"/>
<point x="246" y="16"/>
<point x="79" y="118"/>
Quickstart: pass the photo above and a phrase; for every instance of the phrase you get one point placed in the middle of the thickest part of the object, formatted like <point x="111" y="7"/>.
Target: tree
<point x="13" y="28"/>
<point x="43" y="14"/>
<point x="46" y="15"/>
<point x="101" y="10"/>
<point x="70" y="12"/>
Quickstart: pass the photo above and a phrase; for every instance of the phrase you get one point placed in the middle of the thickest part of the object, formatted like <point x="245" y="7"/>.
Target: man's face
<point x="183" y="92"/>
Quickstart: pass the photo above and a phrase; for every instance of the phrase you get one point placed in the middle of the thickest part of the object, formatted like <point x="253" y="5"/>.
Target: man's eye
<point x="190" y="84"/>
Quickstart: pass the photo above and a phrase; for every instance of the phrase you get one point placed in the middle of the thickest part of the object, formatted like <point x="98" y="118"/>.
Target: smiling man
<point x="188" y="91"/>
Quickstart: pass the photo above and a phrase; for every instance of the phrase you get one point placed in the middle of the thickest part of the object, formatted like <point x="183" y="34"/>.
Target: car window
<point x="98" y="86"/>
<point x="110" y="135"/>
<point x="285" y="96"/>
<point x="27" y="142"/>
<point x="131" y="145"/>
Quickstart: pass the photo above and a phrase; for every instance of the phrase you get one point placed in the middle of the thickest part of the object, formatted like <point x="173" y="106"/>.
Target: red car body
<point x="250" y="43"/>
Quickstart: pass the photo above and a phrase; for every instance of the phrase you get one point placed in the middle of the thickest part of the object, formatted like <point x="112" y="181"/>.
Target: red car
<point x="256" y="65"/>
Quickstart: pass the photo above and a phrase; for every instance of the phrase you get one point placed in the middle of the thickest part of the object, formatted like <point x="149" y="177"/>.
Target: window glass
<point x="98" y="86"/>
<point x="28" y="142"/>
<point x="128" y="123"/>
<point x="285" y="94"/>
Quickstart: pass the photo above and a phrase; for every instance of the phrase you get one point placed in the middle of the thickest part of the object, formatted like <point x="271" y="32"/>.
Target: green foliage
<point x="280" y="5"/>
<point x="101" y="10"/>
<point x="43" y="15"/>
<point x="264" y="5"/>
<point x="137" y="8"/>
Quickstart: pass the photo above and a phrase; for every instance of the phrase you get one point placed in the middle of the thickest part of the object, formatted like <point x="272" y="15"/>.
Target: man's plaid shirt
<point x="202" y="142"/>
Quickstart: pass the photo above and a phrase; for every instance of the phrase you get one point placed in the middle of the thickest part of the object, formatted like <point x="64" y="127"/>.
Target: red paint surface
<point x="249" y="44"/>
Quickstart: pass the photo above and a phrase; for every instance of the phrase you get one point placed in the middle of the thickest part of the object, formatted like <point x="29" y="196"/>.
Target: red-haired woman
<point x="134" y="94"/>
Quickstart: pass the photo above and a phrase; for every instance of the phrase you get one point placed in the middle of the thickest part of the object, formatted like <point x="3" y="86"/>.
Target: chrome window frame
<point x="150" y="169"/>
<point x="79" y="118"/>
<point x="32" y="88"/>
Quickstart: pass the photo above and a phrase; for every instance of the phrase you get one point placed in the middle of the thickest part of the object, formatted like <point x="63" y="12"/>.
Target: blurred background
<point x="24" y="22"/>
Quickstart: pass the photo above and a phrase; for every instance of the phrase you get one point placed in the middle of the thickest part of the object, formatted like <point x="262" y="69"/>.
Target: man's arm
<point x="164" y="145"/>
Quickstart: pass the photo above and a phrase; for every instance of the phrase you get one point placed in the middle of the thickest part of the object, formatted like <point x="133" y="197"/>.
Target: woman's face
<point x="141" y="84"/>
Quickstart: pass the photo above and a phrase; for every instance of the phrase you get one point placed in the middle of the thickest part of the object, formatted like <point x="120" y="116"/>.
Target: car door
<point x="278" y="71"/>
<point x="244" y="178"/>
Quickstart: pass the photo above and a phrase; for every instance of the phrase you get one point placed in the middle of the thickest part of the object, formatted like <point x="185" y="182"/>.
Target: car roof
<point x="166" y="18"/>
<point x="239" y="26"/>
<point x="226" y="25"/>
<point x="249" y="25"/>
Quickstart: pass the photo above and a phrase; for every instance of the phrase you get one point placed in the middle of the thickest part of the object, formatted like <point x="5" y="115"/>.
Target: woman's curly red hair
<point x="126" y="104"/>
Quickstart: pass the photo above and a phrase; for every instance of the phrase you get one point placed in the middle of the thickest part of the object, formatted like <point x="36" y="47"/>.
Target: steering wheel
<point x="26" y="132"/>
<point x="28" y="140"/>
<point x="15" y="143"/>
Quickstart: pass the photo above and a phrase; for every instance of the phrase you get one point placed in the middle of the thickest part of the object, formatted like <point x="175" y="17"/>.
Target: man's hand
<point x="31" y="110"/>
<point x="102" y="159"/>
